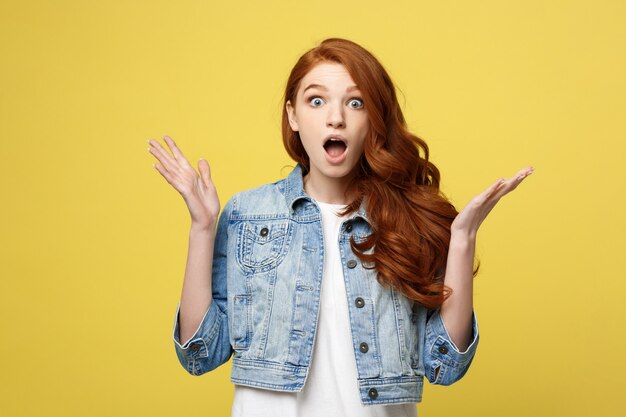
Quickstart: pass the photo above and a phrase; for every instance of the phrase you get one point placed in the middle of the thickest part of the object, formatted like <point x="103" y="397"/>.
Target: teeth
<point x="332" y="139"/>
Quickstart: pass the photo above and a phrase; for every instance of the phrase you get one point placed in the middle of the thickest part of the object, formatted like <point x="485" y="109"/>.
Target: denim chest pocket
<point x="262" y="245"/>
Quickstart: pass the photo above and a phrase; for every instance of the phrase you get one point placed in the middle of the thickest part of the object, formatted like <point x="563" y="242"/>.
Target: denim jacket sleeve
<point x="209" y="347"/>
<point x="441" y="352"/>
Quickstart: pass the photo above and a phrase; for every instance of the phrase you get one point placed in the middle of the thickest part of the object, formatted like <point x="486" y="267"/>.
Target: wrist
<point x="202" y="228"/>
<point x="462" y="237"/>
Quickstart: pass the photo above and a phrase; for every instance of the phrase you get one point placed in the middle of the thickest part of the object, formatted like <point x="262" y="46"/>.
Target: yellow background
<point x="94" y="240"/>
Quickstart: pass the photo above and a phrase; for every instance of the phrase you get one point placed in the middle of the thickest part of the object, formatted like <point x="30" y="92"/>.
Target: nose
<point x="335" y="117"/>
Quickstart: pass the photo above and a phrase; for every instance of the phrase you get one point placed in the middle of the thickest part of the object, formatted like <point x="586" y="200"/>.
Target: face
<point x="329" y="104"/>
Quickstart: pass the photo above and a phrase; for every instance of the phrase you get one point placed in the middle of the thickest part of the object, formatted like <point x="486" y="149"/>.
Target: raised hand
<point x="198" y="191"/>
<point x="470" y="218"/>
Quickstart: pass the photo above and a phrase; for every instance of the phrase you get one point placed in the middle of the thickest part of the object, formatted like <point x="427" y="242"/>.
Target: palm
<point x="474" y="213"/>
<point x="198" y="191"/>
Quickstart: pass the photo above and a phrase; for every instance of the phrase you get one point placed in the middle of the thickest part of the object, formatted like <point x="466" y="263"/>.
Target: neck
<point x="326" y="189"/>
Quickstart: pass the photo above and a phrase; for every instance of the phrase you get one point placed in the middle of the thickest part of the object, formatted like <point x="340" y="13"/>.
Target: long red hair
<point x="410" y="215"/>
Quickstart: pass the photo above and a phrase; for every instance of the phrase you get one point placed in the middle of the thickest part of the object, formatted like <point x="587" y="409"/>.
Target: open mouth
<point x="335" y="147"/>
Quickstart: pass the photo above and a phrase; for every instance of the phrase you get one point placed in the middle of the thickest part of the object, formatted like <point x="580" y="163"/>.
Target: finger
<point x="524" y="172"/>
<point x="489" y="192"/>
<point x="168" y="177"/>
<point x="489" y="203"/>
<point x="509" y="185"/>
<point x="205" y="171"/>
<point x="516" y="180"/>
<point x="178" y="154"/>
<point x="521" y="174"/>
<point x="499" y="189"/>
<point x="163" y="156"/>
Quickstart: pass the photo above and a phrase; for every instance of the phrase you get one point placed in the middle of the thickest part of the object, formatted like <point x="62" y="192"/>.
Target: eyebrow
<point x="321" y="87"/>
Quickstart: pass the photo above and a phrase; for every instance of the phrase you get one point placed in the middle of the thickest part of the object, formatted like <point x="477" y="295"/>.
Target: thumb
<point x="205" y="171"/>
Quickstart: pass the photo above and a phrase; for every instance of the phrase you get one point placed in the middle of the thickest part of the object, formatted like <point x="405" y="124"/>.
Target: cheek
<point x="306" y="140"/>
<point x="363" y="124"/>
<point x="309" y="128"/>
<point x="361" y="143"/>
<point x="360" y="150"/>
<point x="364" y="131"/>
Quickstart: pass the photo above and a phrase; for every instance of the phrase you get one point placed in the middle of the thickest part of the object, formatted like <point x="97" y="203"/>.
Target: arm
<point x="452" y="330"/>
<point x="196" y="295"/>
<point x="201" y="316"/>
<point x="208" y="346"/>
<point x="456" y="311"/>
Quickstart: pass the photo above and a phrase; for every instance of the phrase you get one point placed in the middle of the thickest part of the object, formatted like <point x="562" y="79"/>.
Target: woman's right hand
<point x="198" y="191"/>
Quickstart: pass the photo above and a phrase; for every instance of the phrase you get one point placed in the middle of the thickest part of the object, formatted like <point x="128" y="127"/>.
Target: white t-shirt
<point x="331" y="388"/>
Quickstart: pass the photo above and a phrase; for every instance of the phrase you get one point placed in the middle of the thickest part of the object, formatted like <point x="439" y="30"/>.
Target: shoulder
<point x="266" y="199"/>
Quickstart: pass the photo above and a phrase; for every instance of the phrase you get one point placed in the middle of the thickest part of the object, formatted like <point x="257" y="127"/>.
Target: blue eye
<point x="359" y="100"/>
<point x="317" y="100"/>
<point x="314" y="98"/>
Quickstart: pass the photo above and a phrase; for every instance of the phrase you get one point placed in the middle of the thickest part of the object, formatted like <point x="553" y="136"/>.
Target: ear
<point x="292" y="116"/>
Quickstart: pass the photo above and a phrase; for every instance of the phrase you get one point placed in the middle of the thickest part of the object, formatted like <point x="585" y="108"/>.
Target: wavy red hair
<point x="410" y="215"/>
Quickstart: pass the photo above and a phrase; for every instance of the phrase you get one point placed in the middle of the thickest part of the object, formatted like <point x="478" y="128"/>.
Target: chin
<point x="338" y="171"/>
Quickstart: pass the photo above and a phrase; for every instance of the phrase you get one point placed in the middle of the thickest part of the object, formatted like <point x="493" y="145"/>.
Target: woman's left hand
<point x="470" y="218"/>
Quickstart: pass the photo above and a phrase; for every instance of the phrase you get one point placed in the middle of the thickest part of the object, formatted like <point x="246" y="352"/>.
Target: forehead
<point x="331" y="75"/>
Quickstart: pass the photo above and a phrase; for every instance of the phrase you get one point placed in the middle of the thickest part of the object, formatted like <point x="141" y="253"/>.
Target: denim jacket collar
<point x="294" y="191"/>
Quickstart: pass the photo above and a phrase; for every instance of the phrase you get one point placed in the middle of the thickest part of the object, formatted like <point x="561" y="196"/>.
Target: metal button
<point x="373" y="393"/>
<point x="349" y="227"/>
<point x="359" y="302"/>
<point x="364" y="348"/>
<point x="264" y="231"/>
<point x="443" y="349"/>
<point x="195" y="348"/>
<point x="351" y="263"/>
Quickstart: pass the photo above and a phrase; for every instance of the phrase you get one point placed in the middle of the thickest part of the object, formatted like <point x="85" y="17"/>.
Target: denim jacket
<point x="266" y="279"/>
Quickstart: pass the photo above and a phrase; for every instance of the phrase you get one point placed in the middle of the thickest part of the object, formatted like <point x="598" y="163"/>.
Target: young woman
<point x="353" y="274"/>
